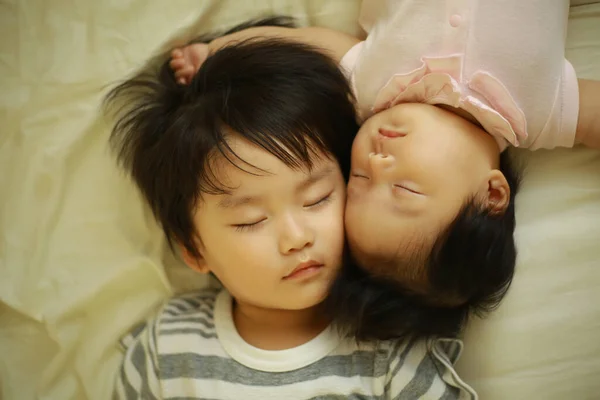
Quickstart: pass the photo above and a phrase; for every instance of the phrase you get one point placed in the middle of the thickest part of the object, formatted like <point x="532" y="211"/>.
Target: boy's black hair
<point x="469" y="270"/>
<point x="278" y="95"/>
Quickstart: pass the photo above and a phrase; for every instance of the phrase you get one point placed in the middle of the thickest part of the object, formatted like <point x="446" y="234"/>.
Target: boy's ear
<point x="196" y="263"/>
<point x="498" y="192"/>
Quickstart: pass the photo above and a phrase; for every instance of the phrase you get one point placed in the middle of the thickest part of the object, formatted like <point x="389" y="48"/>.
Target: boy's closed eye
<point x="321" y="201"/>
<point x="248" y="226"/>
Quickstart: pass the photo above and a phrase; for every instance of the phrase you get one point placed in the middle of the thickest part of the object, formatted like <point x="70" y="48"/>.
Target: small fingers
<point x="183" y="75"/>
<point x="183" y="72"/>
<point x="177" y="63"/>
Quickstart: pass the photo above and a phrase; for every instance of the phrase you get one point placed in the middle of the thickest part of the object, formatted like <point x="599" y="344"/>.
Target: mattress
<point x="82" y="260"/>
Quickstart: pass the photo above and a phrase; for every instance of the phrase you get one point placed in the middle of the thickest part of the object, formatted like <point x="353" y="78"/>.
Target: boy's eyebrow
<point x="231" y="201"/>
<point x="316" y="177"/>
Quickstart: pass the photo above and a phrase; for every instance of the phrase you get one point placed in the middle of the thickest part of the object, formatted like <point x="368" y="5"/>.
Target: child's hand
<point x="186" y="61"/>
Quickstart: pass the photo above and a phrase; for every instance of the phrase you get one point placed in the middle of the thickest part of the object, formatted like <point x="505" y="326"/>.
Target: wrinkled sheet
<point x="544" y="340"/>
<point x="81" y="259"/>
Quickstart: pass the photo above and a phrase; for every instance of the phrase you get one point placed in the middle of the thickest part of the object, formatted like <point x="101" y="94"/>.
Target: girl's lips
<point x="390" y="133"/>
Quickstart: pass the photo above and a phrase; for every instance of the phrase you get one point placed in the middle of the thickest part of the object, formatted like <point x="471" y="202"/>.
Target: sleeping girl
<point x="442" y="89"/>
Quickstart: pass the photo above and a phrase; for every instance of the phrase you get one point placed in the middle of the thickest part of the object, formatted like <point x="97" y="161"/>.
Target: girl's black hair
<point x="468" y="271"/>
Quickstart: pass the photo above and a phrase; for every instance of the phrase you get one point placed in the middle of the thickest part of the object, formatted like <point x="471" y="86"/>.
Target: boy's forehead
<point x="239" y="175"/>
<point x="243" y="156"/>
<point x="244" y="169"/>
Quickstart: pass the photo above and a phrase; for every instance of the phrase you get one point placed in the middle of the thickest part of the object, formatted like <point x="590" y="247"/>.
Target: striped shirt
<point x="193" y="351"/>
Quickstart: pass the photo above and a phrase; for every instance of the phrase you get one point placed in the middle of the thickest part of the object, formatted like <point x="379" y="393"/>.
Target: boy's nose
<point x="295" y="236"/>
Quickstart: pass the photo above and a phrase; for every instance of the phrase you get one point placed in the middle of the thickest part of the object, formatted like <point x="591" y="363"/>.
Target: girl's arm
<point x="186" y="61"/>
<point x="335" y="43"/>
<point x="588" y="123"/>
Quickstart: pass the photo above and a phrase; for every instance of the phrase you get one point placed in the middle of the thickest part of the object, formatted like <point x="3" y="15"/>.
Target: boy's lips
<point x="303" y="269"/>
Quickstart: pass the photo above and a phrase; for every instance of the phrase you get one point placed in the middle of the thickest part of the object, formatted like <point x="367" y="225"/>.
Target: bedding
<point x="542" y="342"/>
<point x="82" y="260"/>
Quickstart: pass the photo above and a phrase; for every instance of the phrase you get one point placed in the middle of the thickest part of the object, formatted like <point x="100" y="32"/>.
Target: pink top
<point x="501" y="61"/>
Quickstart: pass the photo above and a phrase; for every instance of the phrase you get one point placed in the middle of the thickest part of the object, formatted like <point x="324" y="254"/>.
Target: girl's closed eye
<point x="407" y="188"/>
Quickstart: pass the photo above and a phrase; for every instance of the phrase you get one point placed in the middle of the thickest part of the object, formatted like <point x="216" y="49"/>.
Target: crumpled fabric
<point x="81" y="258"/>
<point x="438" y="81"/>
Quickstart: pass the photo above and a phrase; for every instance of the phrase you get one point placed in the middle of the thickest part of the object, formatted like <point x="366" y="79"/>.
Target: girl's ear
<point x="498" y="193"/>
<point x="196" y="263"/>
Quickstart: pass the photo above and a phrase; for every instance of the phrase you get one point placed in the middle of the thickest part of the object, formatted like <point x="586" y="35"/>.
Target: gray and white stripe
<point x="179" y="356"/>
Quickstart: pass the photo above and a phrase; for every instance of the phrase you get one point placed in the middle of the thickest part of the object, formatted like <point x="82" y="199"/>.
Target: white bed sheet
<point x="544" y="340"/>
<point x="81" y="259"/>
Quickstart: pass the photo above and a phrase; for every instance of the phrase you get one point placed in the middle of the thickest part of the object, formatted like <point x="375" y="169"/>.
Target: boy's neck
<point x="271" y="329"/>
